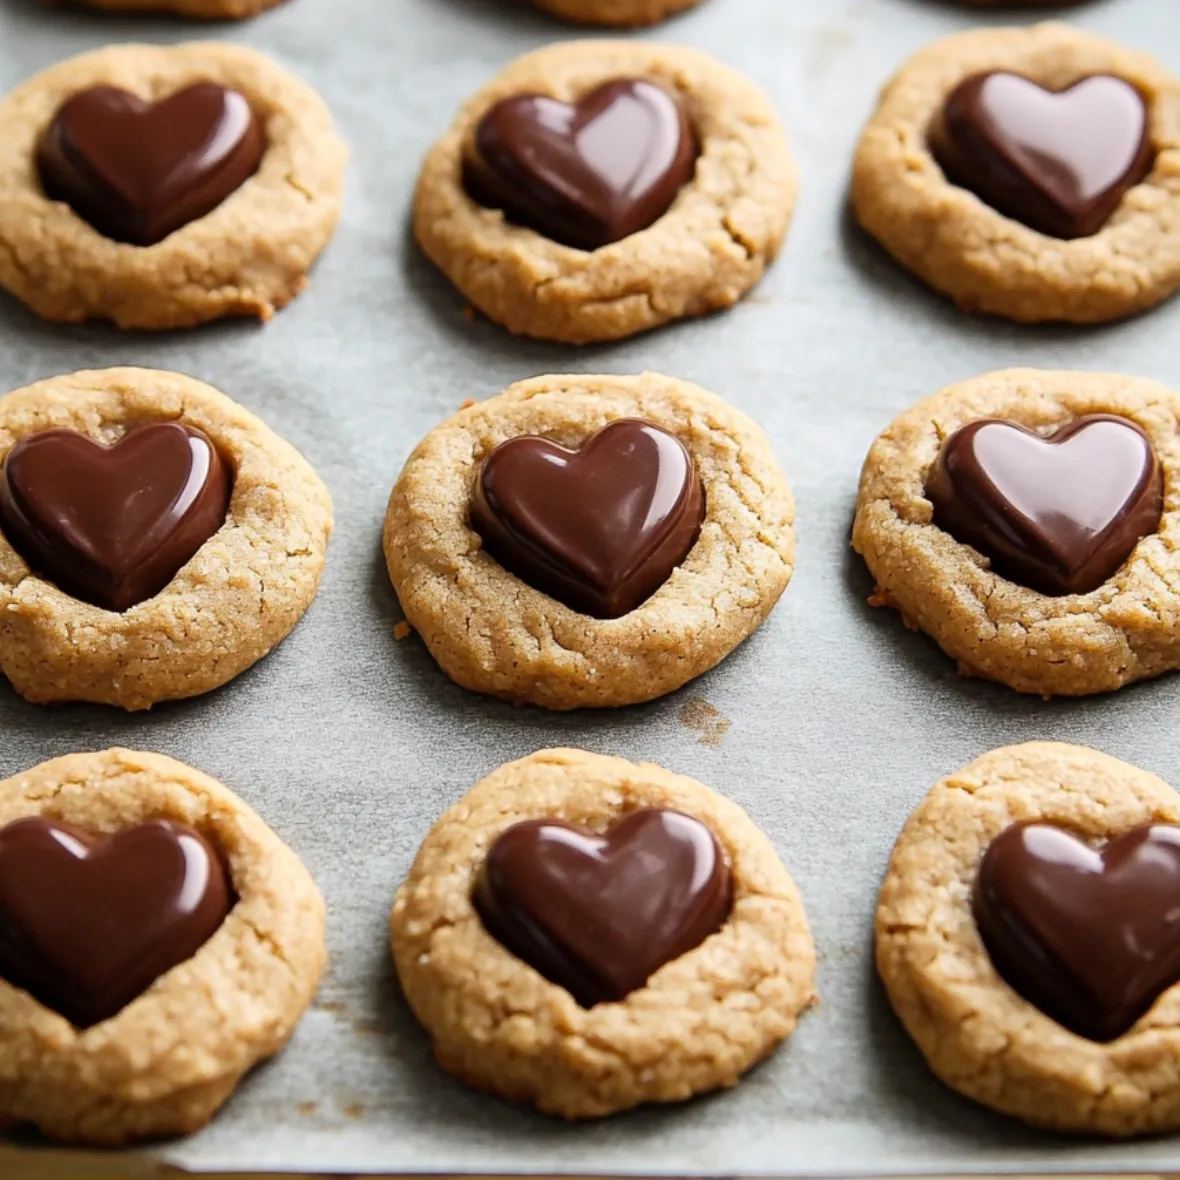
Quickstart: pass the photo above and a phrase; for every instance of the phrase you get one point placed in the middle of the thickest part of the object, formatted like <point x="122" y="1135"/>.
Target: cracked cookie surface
<point x="983" y="260"/>
<point x="248" y="257"/>
<point x="700" y="1022"/>
<point x="1126" y="630"/>
<point x="977" y="1034"/>
<point x="622" y="13"/>
<point x="494" y="633"/>
<point x="240" y="595"/>
<point x="171" y="1058"/>
<point x="202" y="9"/>
<point x="713" y="244"/>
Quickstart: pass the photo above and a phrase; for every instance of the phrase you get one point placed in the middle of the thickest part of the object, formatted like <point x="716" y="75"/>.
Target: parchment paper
<point x="828" y="726"/>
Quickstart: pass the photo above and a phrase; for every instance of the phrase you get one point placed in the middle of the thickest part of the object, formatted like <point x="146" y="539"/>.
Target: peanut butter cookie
<point x="589" y="541"/>
<point x="159" y="940"/>
<point x="1028" y="938"/>
<point x="1029" y="521"/>
<point x="156" y="539"/>
<point x="672" y="205"/>
<point x="622" y="13"/>
<point x="163" y="186"/>
<point x="677" y="940"/>
<point x="1029" y="173"/>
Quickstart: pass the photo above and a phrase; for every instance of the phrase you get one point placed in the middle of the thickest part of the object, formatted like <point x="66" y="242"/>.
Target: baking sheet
<point x="828" y="726"/>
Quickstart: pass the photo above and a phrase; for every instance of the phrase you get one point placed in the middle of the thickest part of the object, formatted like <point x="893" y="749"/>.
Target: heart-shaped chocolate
<point x="87" y="925"/>
<point x="138" y="171"/>
<point x="1059" y="514"/>
<point x="599" y="915"/>
<point x="1058" y="161"/>
<point x="588" y="174"/>
<point x="600" y="529"/>
<point x="1090" y="937"/>
<point x="113" y="525"/>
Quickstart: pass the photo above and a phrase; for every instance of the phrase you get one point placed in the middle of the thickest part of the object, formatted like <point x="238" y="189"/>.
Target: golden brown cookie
<point x="623" y="13"/>
<point x="169" y="1059"/>
<point x="201" y="9"/>
<point x="493" y="632"/>
<point x="984" y="260"/>
<point x="1071" y="644"/>
<point x="241" y="593"/>
<point x="705" y="252"/>
<point x="700" y="1021"/>
<point x="977" y="1033"/>
<point x="247" y="257"/>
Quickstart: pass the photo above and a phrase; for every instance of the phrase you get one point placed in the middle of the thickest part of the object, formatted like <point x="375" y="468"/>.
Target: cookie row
<point x="595" y="189"/>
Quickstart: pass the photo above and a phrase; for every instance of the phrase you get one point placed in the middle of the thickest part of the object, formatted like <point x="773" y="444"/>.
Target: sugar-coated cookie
<point x="622" y="13"/>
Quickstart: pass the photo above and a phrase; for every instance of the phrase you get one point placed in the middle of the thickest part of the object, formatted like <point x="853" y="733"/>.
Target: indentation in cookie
<point x="1089" y="936"/>
<point x="139" y="171"/>
<point x="113" y="525"/>
<point x="600" y="529"/>
<point x="88" y="924"/>
<point x="584" y="174"/>
<point x="599" y="915"/>
<point x="1059" y="514"/>
<point x="1060" y="162"/>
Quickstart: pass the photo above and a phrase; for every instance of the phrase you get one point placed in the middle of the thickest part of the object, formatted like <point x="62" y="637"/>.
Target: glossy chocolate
<point x="87" y="925"/>
<point x="1090" y="937"/>
<point x="138" y="171"/>
<point x="1060" y="162"/>
<point x="1059" y="514"/>
<point x="599" y="915"/>
<point x="600" y="529"/>
<point x="113" y="525"/>
<point x="588" y="174"/>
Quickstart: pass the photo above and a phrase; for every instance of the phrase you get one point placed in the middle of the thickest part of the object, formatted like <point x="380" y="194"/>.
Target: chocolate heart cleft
<point x="1059" y="514"/>
<point x="586" y="174"/>
<point x="599" y="915"/>
<point x="113" y="525"/>
<point x="88" y="924"/>
<point x="1057" y="161"/>
<point x="139" y="171"/>
<point x="600" y="529"/>
<point x="1090" y="937"/>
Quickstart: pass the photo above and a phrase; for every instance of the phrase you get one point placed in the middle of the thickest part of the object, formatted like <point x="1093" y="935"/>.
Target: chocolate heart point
<point x="599" y="915"/>
<point x="113" y="525"/>
<point x="586" y="174"/>
<point x="87" y="925"/>
<point x="600" y="529"/>
<point x="1060" y="514"/>
<point x="1089" y="936"/>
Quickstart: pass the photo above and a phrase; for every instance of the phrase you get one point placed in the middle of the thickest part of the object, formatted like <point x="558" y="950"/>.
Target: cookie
<point x="589" y="541"/>
<point x="1029" y="173"/>
<point x="201" y="9"/>
<point x="156" y="539"/>
<point x="1027" y="936"/>
<point x="1028" y="521"/>
<point x="112" y="205"/>
<point x="181" y="935"/>
<point x="623" y="13"/>
<point x="698" y="967"/>
<point x="673" y="207"/>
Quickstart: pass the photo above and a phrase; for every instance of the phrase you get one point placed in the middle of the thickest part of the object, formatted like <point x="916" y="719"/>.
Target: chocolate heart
<point x="599" y="915"/>
<point x="138" y="171"/>
<point x="1058" y="514"/>
<point x="87" y="925"/>
<point x="588" y="174"/>
<point x="600" y="529"/>
<point x="1060" y="162"/>
<point x="1092" y="938"/>
<point x="113" y="525"/>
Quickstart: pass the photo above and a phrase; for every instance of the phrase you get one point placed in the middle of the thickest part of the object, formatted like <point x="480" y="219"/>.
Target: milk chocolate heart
<point x="87" y="925"/>
<point x="1060" y="162"/>
<point x="588" y="174"/>
<point x="138" y="171"/>
<point x="599" y="915"/>
<point x="600" y="529"/>
<point x="1090" y="937"/>
<point x="1059" y="514"/>
<point x="113" y="525"/>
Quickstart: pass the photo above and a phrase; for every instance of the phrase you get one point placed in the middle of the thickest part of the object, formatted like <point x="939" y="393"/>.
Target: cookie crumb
<point x="355" y="1110"/>
<point x="307" y="1109"/>
<point x="402" y="630"/>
